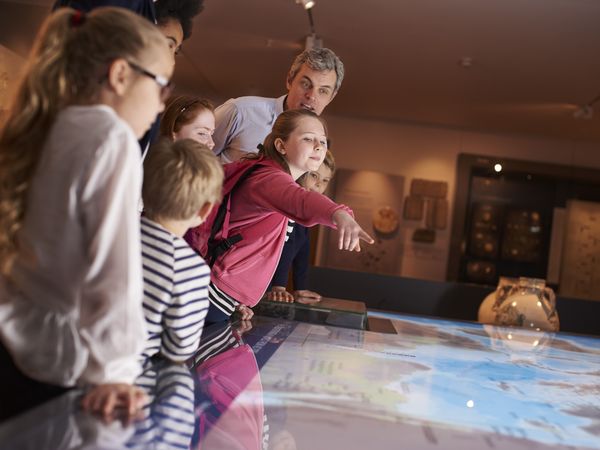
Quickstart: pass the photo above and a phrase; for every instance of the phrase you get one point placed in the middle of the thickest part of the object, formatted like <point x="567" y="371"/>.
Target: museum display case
<point x="517" y="218"/>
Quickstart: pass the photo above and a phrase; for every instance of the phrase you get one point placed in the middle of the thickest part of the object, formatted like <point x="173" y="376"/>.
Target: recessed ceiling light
<point x="466" y="62"/>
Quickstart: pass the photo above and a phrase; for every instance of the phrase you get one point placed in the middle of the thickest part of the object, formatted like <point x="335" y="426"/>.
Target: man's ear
<point x="279" y="146"/>
<point x="119" y="73"/>
<point x="288" y="80"/>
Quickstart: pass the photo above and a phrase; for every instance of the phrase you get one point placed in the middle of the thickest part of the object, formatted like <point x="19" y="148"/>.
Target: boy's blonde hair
<point x="179" y="178"/>
<point x="67" y="65"/>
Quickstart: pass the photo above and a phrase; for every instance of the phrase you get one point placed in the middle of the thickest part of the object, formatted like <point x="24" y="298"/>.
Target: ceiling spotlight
<point x="498" y="168"/>
<point x="312" y="41"/>
<point x="465" y="62"/>
<point x="307" y="4"/>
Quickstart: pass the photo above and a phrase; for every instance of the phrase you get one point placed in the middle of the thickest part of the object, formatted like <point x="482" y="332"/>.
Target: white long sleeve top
<point x="73" y="314"/>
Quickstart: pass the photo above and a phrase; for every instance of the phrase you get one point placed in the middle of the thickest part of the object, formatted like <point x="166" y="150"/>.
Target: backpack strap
<point x="217" y="247"/>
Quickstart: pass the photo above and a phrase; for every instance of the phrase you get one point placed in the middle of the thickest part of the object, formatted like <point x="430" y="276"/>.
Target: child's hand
<point x="304" y="296"/>
<point x="350" y="232"/>
<point x="279" y="294"/>
<point x="104" y="399"/>
<point x="245" y="312"/>
<point x="243" y="327"/>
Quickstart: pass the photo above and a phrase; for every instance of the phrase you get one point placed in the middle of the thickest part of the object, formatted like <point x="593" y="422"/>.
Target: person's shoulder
<point x="269" y="173"/>
<point x="184" y="250"/>
<point x="96" y="131"/>
<point x="188" y="262"/>
<point x="261" y="165"/>
<point x="99" y="114"/>
<point x="268" y="164"/>
<point x="154" y="235"/>
<point x="96" y="121"/>
<point x="250" y="103"/>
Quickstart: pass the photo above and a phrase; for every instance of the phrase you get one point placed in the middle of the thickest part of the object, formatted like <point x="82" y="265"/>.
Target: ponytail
<point x="67" y="65"/>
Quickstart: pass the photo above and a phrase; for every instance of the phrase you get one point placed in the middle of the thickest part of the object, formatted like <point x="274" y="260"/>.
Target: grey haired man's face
<point x="311" y="89"/>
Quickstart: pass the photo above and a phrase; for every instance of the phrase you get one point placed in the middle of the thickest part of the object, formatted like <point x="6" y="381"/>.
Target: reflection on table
<point x="282" y="384"/>
<point x="328" y="311"/>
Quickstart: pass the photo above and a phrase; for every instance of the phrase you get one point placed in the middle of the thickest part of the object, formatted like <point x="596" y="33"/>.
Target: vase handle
<point x="551" y="296"/>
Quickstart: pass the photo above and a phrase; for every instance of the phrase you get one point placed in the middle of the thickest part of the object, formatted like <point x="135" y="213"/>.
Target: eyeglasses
<point x="166" y="86"/>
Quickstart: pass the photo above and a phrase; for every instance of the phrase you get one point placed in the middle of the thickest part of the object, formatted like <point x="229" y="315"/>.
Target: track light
<point x="307" y="4"/>
<point x="312" y="41"/>
<point x="586" y="111"/>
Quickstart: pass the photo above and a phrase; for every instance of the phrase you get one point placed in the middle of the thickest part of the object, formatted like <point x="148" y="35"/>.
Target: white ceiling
<point x="534" y="61"/>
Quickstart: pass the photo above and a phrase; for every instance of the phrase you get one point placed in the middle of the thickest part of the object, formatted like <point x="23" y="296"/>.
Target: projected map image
<point x="456" y="383"/>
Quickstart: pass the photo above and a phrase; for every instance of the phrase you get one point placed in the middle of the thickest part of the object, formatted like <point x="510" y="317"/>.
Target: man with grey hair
<point x="242" y="123"/>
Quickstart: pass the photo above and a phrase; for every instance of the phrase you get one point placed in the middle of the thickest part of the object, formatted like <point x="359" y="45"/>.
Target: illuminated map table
<point x="283" y="385"/>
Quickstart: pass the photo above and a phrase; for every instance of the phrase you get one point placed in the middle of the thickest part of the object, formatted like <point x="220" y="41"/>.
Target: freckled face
<point x="200" y="129"/>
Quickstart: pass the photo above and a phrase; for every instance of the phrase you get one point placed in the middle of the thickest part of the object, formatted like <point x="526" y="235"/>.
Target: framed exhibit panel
<point x="376" y="199"/>
<point x="580" y="268"/>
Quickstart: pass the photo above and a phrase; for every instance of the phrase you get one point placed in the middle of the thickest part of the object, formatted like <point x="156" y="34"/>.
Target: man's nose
<point x="310" y="93"/>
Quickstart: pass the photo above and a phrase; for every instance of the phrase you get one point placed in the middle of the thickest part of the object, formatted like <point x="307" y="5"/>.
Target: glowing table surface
<point x="282" y="384"/>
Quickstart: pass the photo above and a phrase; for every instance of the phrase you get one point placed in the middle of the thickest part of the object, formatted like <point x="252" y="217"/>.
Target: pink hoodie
<point x="260" y="208"/>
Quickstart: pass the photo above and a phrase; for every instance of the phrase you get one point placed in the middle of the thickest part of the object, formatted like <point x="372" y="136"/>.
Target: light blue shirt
<point x="242" y="123"/>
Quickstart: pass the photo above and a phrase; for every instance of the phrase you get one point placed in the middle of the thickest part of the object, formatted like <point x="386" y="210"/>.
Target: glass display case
<point x="508" y="219"/>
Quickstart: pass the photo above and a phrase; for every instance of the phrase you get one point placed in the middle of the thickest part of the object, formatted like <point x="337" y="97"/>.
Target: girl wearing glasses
<point x="70" y="274"/>
<point x="188" y="117"/>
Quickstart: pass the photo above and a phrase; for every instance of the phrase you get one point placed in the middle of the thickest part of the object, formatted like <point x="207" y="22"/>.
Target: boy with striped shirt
<point x="182" y="182"/>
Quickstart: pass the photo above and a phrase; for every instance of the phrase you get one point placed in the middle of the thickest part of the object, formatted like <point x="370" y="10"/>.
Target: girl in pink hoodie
<point x="259" y="210"/>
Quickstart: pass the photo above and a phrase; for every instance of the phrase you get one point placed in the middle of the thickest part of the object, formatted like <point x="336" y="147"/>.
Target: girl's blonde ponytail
<point x="67" y="65"/>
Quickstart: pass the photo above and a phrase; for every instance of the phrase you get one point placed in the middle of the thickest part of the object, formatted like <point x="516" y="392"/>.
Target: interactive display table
<point x="283" y="384"/>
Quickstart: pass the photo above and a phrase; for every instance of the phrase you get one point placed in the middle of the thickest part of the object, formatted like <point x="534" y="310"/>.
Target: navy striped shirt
<point x="221" y="341"/>
<point x="175" y="293"/>
<point x="168" y="419"/>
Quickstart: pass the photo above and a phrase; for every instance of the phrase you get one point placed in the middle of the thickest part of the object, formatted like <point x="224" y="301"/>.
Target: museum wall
<point x="425" y="152"/>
